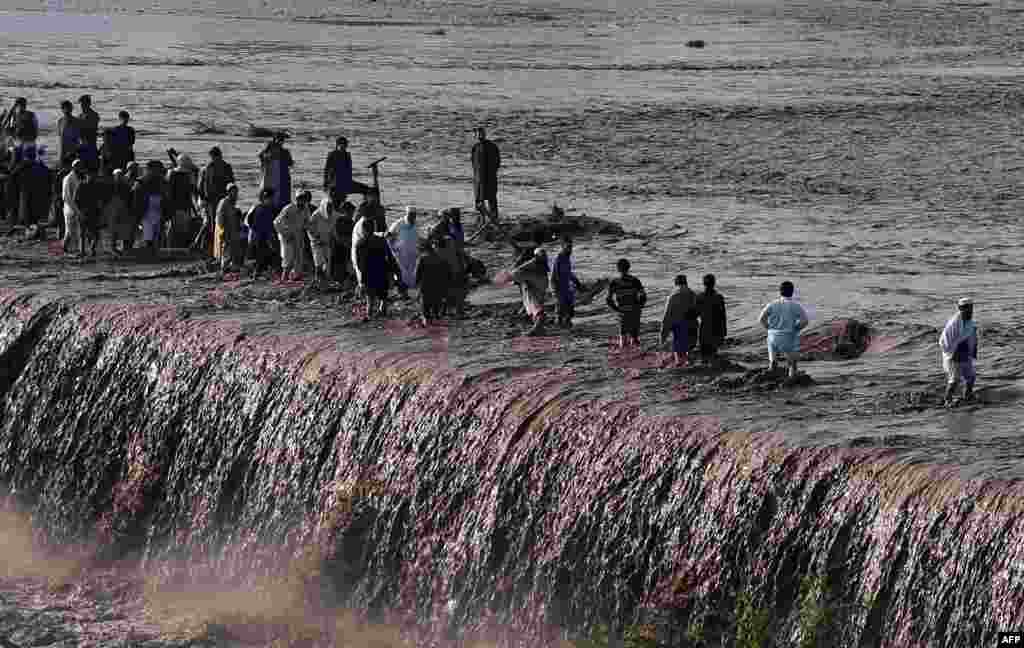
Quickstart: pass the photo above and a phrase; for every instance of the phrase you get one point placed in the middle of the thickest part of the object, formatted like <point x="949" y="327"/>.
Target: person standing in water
<point x="959" y="344"/>
<point x="371" y="210"/>
<point x="276" y="170"/>
<point x="72" y="217"/>
<point x="713" y="328"/>
<point x="69" y="137"/>
<point x="374" y="269"/>
<point x="679" y="309"/>
<point x="290" y="225"/>
<point x="486" y="161"/>
<point x="627" y="297"/>
<point x="341" y="259"/>
<point x="433" y="276"/>
<point x="213" y="184"/>
<point x="533" y="277"/>
<point x="784" y="319"/>
<point x="25" y="126"/>
<point x="260" y="221"/>
<point x="228" y="233"/>
<point x="564" y="284"/>
<point x="320" y="230"/>
<point x="120" y="142"/>
<point x="152" y="207"/>
<point x="338" y="172"/>
<point x="88" y="121"/>
<point x="405" y="244"/>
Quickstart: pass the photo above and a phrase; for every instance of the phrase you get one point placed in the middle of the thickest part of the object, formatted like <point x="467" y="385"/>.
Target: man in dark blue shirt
<point x="626" y="296"/>
<point x="338" y="172"/>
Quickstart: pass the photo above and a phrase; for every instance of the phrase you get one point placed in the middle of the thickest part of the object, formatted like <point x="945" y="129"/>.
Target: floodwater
<point x="869" y="151"/>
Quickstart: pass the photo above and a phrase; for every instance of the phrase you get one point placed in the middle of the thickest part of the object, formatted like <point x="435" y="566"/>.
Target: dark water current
<point x="869" y="151"/>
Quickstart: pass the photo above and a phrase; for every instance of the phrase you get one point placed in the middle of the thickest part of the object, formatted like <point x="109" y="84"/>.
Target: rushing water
<point x="503" y="498"/>
<point x="869" y="151"/>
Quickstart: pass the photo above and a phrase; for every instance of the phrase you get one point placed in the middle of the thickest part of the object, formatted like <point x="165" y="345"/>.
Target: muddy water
<point x="871" y="152"/>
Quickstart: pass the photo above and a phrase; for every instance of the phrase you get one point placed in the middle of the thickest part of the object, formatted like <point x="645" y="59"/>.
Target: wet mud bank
<point x="497" y="502"/>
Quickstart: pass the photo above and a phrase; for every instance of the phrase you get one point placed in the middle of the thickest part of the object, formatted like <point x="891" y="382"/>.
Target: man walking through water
<point x="564" y="284"/>
<point x="486" y="161"/>
<point x="626" y="296"/>
<point x="784" y="319"/>
<point x="713" y="327"/>
<point x="959" y="344"/>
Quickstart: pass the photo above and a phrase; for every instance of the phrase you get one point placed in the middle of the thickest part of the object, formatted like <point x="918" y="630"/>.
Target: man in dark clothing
<point x="373" y="211"/>
<point x="88" y="121"/>
<point x="33" y="185"/>
<point x="90" y="199"/>
<point x="120" y="142"/>
<point x="564" y="283"/>
<point x="213" y="187"/>
<point x="68" y="136"/>
<point x="376" y="270"/>
<point x="711" y="310"/>
<point x="338" y="172"/>
<point x="626" y="296"/>
<point x="341" y="260"/>
<point x="89" y="154"/>
<point x="181" y="193"/>
<point x="486" y="161"/>
<point x="260" y="221"/>
<point x="433" y="276"/>
<point x="24" y="123"/>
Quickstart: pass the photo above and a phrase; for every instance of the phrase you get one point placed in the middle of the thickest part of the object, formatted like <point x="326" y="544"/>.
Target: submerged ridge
<point x="497" y="501"/>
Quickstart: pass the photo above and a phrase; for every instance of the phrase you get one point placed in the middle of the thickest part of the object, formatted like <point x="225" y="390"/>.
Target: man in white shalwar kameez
<point x="959" y="344"/>
<point x="320" y="230"/>
<point x="405" y="246"/>
<point x="290" y="225"/>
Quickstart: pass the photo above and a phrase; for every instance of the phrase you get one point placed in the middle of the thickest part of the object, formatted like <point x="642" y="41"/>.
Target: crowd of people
<point x="101" y="186"/>
<point x="98" y="186"/>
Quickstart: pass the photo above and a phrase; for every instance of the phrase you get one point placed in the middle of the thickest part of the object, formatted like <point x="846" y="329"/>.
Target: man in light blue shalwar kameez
<point x="784" y="319"/>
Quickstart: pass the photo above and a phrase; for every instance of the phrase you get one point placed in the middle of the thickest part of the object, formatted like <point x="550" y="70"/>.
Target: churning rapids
<point x="868" y="151"/>
<point x="507" y="491"/>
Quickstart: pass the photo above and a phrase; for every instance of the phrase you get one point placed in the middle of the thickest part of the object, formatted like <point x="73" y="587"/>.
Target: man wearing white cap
<point x="320" y="231"/>
<point x="291" y="231"/>
<point x="959" y="344"/>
